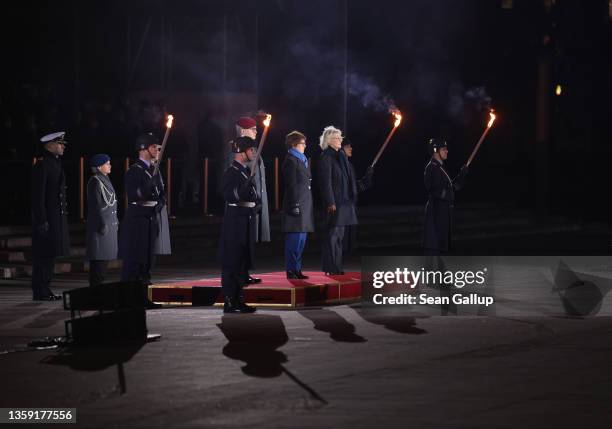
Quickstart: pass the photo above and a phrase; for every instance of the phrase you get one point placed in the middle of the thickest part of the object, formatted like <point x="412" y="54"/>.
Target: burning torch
<point x="482" y="137"/>
<point x="398" y="119"/>
<point x="163" y="146"/>
<point x="266" y="123"/>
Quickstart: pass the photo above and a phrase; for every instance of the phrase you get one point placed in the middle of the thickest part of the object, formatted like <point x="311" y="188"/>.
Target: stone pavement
<point x="332" y="366"/>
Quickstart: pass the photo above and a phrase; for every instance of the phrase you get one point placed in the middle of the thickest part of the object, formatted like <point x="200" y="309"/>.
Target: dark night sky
<point x="424" y="55"/>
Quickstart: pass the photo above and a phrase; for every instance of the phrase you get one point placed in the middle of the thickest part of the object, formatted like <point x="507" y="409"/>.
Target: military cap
<point x="99" y="160"/>
<point x="242" y="144"/>
<point x="145" y="140"/>
<point x="57" y="137"/>
<point x="246" y="122"/>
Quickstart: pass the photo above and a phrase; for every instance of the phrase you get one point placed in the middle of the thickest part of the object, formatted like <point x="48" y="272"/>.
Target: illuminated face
<point x="153" y="152"/>
<point x="348" y="150"/>
<point x="105" y="168"/>
<point x="250" y="153"/>
<point x="443" y="152"/>
<point x="250" y="132"/>
<point x="335" y="141"/>
<point x="301" y="146"/>
<point x="56" y="148"/>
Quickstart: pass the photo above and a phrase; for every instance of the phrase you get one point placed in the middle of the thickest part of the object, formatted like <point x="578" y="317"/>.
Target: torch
<point x="163" y="146"/>
<point x="398" y="119"/>
<point x="266" y="123"/>
<point x="482" y="137"/>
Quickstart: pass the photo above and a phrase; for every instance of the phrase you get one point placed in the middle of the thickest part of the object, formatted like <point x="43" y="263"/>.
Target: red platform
<point x="275" y="290"/>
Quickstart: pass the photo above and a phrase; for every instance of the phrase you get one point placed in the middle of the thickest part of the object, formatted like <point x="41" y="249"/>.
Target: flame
<point x="492" y="115"/>
<point x="266" y="121"/>
<point x="558" y="90"/>
<point x="169" y="121"/>
<point x="398" y="118"/>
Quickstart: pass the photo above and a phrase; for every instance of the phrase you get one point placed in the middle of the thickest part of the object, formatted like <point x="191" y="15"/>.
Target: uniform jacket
<point x="102" y="222"/>
<point x="139" y="228"/>
<point x="238" y="227"/>
<point x="50" y="236"/>
<point x="440" y="189"/>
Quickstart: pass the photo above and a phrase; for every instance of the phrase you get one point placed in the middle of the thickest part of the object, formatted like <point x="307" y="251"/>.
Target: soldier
<point x="363" y="184"/>
<point x="441" y="196"/>
<point x="297" y="215"/>
<point x="238" y="230"/>
<point x="140" y="228"/>
<point x="102" y="222"/>
<point x="50" y="237"/>
<point x="338" y="187"/>
<point x="247" y="127"/>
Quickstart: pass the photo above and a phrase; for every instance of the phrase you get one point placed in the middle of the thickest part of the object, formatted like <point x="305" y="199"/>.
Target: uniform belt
<point x="144" y="203"/>
<point x="248" y="204"/>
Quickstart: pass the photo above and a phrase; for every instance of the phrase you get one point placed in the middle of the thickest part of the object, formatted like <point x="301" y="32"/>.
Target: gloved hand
<point x="103" y="229"/>
<point x="464" y="171"/>
<point x="295" y="211"/>
<point x="369" y="173"/>
<point x="161" y="202"/>
<point x="43" y="228"/>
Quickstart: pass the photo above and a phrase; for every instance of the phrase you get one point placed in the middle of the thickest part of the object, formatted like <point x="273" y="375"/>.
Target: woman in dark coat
<point x="338" y="188"/>
<point x="297" y="218"/>
<point x="102" y="222"/>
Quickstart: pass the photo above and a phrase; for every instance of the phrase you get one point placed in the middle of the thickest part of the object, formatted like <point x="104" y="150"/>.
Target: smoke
<point x="369" y="94"/>
<point x="462" y="100"/>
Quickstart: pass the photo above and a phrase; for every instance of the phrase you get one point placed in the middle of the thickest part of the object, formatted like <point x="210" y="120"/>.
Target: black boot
<point x="292" y="275"/>
<point x="231" y="306"/>
<point x="301" y="275"/>
<point x="244" y="308"/>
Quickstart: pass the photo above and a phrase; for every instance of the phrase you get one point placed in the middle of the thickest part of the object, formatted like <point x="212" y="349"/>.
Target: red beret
<point x="246" y="122"/>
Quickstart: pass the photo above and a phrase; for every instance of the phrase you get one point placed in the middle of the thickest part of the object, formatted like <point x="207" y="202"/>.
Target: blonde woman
<point x="338" y="189"/>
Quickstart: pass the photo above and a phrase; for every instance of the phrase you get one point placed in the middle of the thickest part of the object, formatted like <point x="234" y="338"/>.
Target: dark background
<point x="86" y="67"/>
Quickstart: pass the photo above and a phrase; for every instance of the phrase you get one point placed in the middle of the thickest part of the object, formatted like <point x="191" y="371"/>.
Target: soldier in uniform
<point x="139" y="229"/>
<point x="247" y="127"/>
<point x="50" y="237"/>
<point x="102" y="222"/>
<point x="440" y="189"/>
<point x="238" y="230"/>
<point x="297" y="215"/>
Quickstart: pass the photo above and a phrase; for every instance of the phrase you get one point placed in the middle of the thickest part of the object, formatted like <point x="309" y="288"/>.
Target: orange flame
<point x="398" y="118"/>
<point x="266" y="121"/>
<point x="169" y="121"/>
<point x="492" y="115"/>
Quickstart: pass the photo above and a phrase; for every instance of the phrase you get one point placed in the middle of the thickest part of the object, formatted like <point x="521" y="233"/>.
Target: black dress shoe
<point x="234" y="306"/>
<point x="253" y="280"/>
<point x="292" y="275"/>
<point x="301" y="275"/>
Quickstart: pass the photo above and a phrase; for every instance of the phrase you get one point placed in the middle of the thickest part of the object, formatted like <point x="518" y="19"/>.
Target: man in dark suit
<point x="297" y="216"/>
<point x="50" y="237"/>
<point x="236" y="253"/>
<point x="338" y="188"/>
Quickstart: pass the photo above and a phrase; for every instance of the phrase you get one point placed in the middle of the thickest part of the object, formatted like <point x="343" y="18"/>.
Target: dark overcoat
<point x="337" y="185"/>
<point x="50" y="235"/>
<point x="236" y="244"/>
<point x="102" y="222"/>
<point x="297" y="182"/>
<point x="440" y="190"/>
<point x="139" y="228"/>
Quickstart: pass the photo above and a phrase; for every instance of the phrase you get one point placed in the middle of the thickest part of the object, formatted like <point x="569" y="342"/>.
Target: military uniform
<point x="50" y="237"/>
<point x="440" y="189"/>
<point x="102" y="222"/>
<point x="236" y="252"/>
<point x="140" y="228"/>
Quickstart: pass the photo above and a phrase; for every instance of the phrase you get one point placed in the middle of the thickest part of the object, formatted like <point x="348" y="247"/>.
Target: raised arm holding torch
<point x="163" y="145"/>
<point x="266" y="123"/>
<point x="398" y="119"/>
<point x="482" y="137"/>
